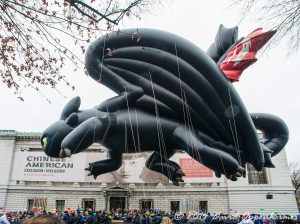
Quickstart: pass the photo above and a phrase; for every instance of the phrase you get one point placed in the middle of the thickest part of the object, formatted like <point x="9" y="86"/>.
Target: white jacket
<point x="3" y="220"/>
<point x="246" y="221"/>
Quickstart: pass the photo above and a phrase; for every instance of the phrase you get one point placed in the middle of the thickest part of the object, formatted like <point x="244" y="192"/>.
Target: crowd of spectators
<point x="141" y="217"/>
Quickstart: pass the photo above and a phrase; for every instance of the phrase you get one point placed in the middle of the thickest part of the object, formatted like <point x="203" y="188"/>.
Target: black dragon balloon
<point x="171" y="96"/>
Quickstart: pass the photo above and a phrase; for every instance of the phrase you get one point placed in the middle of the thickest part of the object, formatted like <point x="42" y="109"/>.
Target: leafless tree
<point x="35" y="36"/>
<point x="295" y="174"/>
<point x="282" y="15"/>
<point x="295" y="177"/>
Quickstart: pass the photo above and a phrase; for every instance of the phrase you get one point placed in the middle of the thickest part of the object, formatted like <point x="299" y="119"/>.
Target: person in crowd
<point x="166" y="220"/>
<point x="184" y="218"/>
<point x="246" y="220"/>
<point x="5" y="218"/>
<point x="258" y="220"/>
<point x="208" y="218"/>
<point x="44" y="220"/>
<point x="136" y="218"/>
<point x="157" y="218"/>
<point x="91" y="218"/>
<point x="141" y="216"/>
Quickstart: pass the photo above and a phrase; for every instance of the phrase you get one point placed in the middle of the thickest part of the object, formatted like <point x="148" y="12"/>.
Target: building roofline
<point x="22" y="135"/>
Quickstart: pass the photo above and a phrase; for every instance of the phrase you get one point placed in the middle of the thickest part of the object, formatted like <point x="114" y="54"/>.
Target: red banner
<point x="193" y="168"/>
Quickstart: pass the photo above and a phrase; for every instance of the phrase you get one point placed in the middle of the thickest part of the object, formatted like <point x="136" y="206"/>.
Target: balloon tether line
<point x="234" y="133"/>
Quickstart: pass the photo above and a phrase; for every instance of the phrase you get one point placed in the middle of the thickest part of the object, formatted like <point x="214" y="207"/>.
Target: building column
<point x="129" y="200"/>
<point x="105" y="204"/>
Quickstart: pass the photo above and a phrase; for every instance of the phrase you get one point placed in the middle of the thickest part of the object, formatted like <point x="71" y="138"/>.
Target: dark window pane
<point x="203" y="206"/>
<point x="89" y="204"/>
<point x="60" y="205"/>
<point x="30" y="204"/>
<point x="117" y="203"/>
<point x="175" y="205"/>
<point x="146" y="204"/>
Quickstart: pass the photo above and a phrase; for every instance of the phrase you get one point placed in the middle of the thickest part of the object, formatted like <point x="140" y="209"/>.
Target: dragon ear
<point x="225" y="38"/>
<point x="72" y="120"/>
<point x="71" y="107"/>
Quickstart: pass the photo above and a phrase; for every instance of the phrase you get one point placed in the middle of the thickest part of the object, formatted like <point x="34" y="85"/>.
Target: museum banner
<point x="36" y="166"/>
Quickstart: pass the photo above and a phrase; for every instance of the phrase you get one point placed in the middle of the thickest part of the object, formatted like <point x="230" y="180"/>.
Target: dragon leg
<point x="85" y="135"/>
<point x="104" y="166"/>
<point x="217" y="160"/>
<point x="161" y="164"/>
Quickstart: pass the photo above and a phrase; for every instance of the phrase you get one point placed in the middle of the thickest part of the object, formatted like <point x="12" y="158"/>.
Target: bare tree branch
<point x="295" y="174"/>
<point x="282" y="15"/>
<point x="35" y="36"/>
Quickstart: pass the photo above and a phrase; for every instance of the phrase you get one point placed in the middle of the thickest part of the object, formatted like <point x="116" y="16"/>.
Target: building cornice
<point x="20" y="135"/>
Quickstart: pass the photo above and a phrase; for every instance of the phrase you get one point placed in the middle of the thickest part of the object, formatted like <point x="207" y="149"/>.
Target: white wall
<point x="7" y="143"/>
<point x="246" y="197"/>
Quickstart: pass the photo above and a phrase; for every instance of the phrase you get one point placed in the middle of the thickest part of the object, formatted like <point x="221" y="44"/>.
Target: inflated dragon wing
<point x="179" y="80"/>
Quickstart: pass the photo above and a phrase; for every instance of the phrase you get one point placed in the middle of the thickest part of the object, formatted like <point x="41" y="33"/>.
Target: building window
<point x="146" y="204"/>
<point x="256" y="177"/>
<point x="117" y="203"/>
<point x="60" y="205"/>
<point x="175" y="206"/>
<point x="203" y="206"/>
<point x="37" y="204"/>
<point x="88" y="203"/>
<point x="29" y="204"/>
<point x="40" y="203"/>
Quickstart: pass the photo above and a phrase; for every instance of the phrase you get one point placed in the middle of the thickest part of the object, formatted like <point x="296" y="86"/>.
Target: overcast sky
<point x="271" y="85"/>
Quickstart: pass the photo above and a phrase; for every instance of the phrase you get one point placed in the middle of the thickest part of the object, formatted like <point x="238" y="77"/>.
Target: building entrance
<point x="117" y="202"/>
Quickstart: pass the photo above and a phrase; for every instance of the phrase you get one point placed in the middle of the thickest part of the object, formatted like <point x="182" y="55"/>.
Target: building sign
<point x="51" y="165"/>
<point x="193" y="168"/>
<point x="36" y="166"/>
<point x="194" y="171"/>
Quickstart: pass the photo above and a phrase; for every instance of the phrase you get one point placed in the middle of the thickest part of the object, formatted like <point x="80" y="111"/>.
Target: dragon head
<point x="53" y="136"/>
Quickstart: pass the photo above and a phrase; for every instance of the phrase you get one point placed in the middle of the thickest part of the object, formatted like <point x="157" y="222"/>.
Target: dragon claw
<point x="218" y="175"/>
<point x="180" y="172"/>
<point x="237" y="174"/>
<point x="233" y="178"/>
<point x="228" y="176"/>
<point x="91" y="171"/>
<point x="68" y="152"/>
<point x="175" y="183"/>
<point x="241" y="171"/>
<point x="62" y="154"/>
<point x="179" y="179"/>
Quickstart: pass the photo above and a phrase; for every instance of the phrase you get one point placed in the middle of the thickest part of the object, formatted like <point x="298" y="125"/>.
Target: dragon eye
<point x="44" y="142"/>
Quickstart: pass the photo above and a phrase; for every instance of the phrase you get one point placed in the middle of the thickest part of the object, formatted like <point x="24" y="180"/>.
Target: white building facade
<point x="28" y="178"/>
